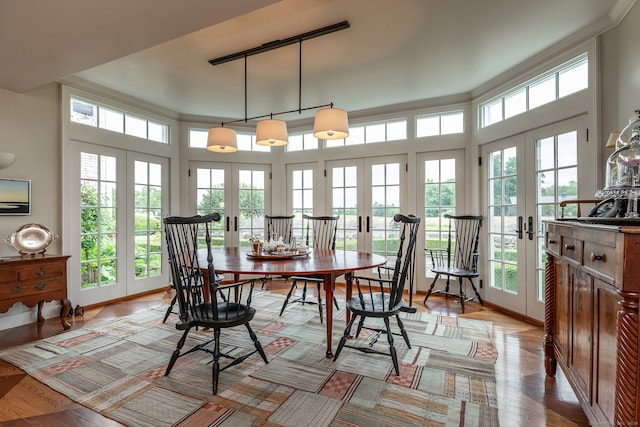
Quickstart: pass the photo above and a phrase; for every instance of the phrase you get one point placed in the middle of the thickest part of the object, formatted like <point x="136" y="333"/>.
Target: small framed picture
<point x="15" y="196"/>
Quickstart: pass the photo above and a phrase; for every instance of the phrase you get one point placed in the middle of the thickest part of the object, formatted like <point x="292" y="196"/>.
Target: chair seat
<point x="457" y="272"/>
<point x="375" y="305"/>
<point x="229" y="315"/>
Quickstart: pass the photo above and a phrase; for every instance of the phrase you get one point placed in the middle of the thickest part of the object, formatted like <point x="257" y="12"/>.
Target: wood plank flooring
<point x="526" y="395"/>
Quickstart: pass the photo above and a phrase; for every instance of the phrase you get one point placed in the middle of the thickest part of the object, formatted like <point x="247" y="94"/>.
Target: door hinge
<point x="271" y="176"/>
<point x="480" y="161"/>
<point x="406" y="167"/>
<point x="189" y="172"/>
<point x="325" y="173"/>
<point x="587" y="134"/>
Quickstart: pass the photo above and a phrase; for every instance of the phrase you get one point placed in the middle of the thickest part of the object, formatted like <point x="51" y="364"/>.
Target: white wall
<point x="29" y="127"/>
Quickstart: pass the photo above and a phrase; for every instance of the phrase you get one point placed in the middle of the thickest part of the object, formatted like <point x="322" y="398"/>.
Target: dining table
<point x="326" y="263"/>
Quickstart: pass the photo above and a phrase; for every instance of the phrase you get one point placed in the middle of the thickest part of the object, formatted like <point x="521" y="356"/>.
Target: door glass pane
<point x="302" y="199"/>
<point x="439" y="197"/>
<point x="502" y="219"/>
<point x="556" y="180"/>
<point x="98" y="264"/>
<point x="344" y="197"/>
<point x="147" y="219"/>
<point x="251" y="208"/>
<point x="385" y="204"/>
<point x="210" y="187"/>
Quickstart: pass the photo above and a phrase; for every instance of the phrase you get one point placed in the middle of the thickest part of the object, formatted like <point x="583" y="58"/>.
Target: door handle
<point x="360" y="224"/>
<point x="227" y="223"/>
<point x="235" y="223"/>
<point x="519" y="230"/>
<point x="530" y="229"/>
<point x="367" y="224"/>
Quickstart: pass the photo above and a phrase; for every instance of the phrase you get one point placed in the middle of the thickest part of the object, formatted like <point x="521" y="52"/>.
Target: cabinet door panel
<point x="563" y="308"/>
<point x="581" y="339"/>
<point x="605" y="348"/>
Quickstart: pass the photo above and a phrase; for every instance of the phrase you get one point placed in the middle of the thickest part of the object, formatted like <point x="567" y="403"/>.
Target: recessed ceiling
<point x="394" y="51"/>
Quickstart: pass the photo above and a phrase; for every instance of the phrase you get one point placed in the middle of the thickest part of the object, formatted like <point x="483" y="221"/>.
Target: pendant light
<point x="331" y="123"/>
<point x="222" y="140"/>
<point x="272" y="133"/>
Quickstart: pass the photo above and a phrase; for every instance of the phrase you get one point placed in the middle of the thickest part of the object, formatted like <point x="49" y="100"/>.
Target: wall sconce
<point x="6" y="159"/>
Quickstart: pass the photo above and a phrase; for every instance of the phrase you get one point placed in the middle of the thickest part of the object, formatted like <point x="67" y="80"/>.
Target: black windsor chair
<point x="198" y="299"/>
<point x="320" y="234"/>
<point x="383" y="298"/>
<point x="459" y="259"/>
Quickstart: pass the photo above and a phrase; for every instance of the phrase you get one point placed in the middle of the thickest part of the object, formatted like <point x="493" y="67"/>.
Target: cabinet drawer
<point x="572" y="248"/>
<point x="600" y="259"/>
<point x="553" y="243"/>
<point x="43" y="271"/>
<point x="26" y="289"/>
<point x="8" y="275"/>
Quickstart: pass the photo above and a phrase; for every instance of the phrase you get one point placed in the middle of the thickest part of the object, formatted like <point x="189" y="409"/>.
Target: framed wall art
<point x="15" y="196"/>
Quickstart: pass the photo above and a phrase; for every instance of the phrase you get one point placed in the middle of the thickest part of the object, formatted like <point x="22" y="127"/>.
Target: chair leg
<point x="476" y="291"/>
<point x="403" y="331"/>
<point x="430" y="289"/>
<point x="462" y="297"/>
<point x="215" y="370"/>
<point x="304" y="293"/>
<point x="319" y="300"/>
<point x="176" y="352"/>
<point x="170" y="309"/>
<point x="343" y="340"/>
<point x="286" y="300"/>
<point x="335" y="302"/>
<point x="360" y="325"/>
<point x="392" y="349"/>
<point x="256" y="343"/>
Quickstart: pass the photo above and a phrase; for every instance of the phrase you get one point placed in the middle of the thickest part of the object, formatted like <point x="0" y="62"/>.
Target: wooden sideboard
<point x="592" y="288"/>
<point x="33" y="280"/>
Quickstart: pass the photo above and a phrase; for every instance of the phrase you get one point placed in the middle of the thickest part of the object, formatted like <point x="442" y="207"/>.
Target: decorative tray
<point x="277" y="255"/>
<point x="31" y="239"/>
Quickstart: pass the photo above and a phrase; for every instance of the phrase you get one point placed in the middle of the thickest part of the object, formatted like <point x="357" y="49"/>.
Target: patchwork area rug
<point x="117" y="368"/>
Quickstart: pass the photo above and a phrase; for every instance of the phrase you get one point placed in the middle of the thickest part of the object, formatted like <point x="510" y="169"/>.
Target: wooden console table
<point x="33" y="280"/>
<point x="592" y="288"/>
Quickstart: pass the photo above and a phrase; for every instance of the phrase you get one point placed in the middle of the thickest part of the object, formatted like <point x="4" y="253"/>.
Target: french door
<point x="240" y="193"/>
<point x="116" y="230"/>
<point x="367" y="193"/>
<point x="525" y="178"/>
<point x="441" y="191"/>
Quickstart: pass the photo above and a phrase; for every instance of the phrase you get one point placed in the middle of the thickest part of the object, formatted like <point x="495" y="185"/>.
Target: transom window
<point x="557" y="83"/>
<point x="392" y="130"/>
<point x="109" y="118"/>
<point x="440" y="124"/>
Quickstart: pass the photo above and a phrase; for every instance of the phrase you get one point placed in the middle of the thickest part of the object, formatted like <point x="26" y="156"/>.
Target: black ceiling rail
<point x="276" y="44"/>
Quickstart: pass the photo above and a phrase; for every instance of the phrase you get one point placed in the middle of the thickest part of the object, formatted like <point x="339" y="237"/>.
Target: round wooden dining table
<point x="328" y="264"/>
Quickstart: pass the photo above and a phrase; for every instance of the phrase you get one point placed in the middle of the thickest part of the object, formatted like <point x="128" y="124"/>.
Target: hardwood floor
<point x="526" y="395"/>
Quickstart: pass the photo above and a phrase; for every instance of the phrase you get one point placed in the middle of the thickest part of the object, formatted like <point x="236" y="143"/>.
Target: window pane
<point x="568" y="149"/>
<point x="83" y="112"/>
<point x="198" y="138"/>
<point x="295" y="143"/>
<point x="428" y="126"/>
<point x="542" y="92"/>
<point x="157" y="132"/>
<point x="451" y="123"/>
<point x="573" y="79"/>
<point x="515" y="103"/>
<point x="492" y="113"/>
<point x="310" y="141"/>
<point x="111" y="120"/>
<point x="244" y="142"/>
<point x="546" y="154"/>
<point x="135" y="126"/>
<point x="396" y="130"/>
<point x="356" y="136"/>
<point x="375" y="133"/>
